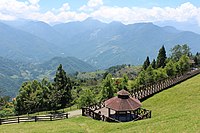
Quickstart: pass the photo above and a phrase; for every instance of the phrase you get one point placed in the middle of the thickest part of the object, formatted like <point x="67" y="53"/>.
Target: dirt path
<point x="75" y="113"/>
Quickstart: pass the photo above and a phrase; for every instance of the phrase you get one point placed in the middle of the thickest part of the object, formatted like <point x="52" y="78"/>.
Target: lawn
<point x="174" y="110"/>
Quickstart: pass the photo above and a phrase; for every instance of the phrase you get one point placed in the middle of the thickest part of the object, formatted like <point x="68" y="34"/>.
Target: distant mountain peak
<point x="171" y="29"/>
<point x="92" y="21"/>
<point x="144" y="25"/>
<point x="116" y="23"/>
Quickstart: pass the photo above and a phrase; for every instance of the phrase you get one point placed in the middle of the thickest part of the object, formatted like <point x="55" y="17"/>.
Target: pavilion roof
<point x="123" y="102"/>
<point x="123" y="92"/>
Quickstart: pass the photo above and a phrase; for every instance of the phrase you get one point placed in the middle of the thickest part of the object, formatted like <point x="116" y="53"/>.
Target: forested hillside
<point x="10" y="76"/>
<point x="13" y="73"/>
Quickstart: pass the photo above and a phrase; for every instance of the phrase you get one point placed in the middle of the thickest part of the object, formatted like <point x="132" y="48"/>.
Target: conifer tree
<point x="153" y="64"/>
<point x="197" y="59"/>
<point x="146" y="63"/>
<point x="63" y="87"/>
<point x="161" y="58"/>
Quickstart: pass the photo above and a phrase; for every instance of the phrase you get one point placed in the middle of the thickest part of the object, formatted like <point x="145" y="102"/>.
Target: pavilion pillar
<point x="108" y="112"/>
<point x="117" y="115"/>
<point x="126" y="116"/>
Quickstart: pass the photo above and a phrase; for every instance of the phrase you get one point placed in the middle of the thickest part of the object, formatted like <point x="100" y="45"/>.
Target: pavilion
<point x="123" y="107"/>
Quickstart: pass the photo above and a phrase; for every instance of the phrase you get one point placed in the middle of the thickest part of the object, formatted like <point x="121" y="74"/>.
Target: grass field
<point x="174" y="110"/>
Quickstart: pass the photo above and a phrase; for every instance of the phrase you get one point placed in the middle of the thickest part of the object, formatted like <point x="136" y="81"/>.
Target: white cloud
<point x="30" y="9"/>
<point x="94" y="3"/>
<point x="65" y="7"/>
<point x="127" y="15"/>
<point x="34" y="2"/>
<point x="91" y="5"/>
<point x="6" y="17"/>
<point x="71" y="16"/>
<point x="51" y="17"/>
<point x="16" y="9"/>
<point x="63" y="14"/>
<point x="13" y="9"/>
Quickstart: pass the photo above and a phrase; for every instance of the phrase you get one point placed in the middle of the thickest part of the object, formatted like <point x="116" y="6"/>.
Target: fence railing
<point x="86" y="111"/>
<point x="140" y="113"/>
<point x="97" y="106"/>
<point x="20" y="119"/>
<point x="147" y="91"/>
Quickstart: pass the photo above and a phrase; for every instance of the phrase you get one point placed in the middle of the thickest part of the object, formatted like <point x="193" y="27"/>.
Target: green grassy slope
<point x="174" y="110"/>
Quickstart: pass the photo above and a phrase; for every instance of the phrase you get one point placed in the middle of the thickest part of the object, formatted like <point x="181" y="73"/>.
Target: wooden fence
<point x="20" y="119"/>
<point x="141" y="113"/>
<point x="86" y="111"/>
<point x="147" y="91"/>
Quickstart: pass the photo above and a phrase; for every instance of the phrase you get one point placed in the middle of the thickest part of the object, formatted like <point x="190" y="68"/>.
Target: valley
<point x="14" y="73"/>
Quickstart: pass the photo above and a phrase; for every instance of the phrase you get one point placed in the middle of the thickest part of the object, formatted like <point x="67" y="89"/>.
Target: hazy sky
<point x="126" y="11"/>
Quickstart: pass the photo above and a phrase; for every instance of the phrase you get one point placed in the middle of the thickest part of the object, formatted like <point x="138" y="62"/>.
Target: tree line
<point x="178" y="63"/>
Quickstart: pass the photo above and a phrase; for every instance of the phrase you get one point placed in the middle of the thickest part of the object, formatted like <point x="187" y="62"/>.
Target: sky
<point x="125" y="11"/>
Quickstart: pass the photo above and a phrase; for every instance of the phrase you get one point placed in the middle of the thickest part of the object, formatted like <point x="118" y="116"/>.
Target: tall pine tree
<point x="63" y="87"/>
<point x="153" y="64"/>
<point x="161" y="58"/>
<point x="146" y="63"/>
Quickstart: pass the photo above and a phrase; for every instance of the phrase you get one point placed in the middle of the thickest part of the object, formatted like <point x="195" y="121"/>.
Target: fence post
<point x="103" y="117"/>
<point x="67" y="115"/>
<point x="50" y="117"/>
<point x="18" y="119"/>
<point x="0" y="121"/>
<point x="35" y="118"/>
<point x="150" y="114"/>
<point x="89" y="112"/>
<point x="93" y="115"/>
<point x="83" y="111"/>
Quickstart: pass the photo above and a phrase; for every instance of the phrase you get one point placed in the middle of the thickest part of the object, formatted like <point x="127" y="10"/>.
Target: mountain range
<point x="99" y="44"/>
